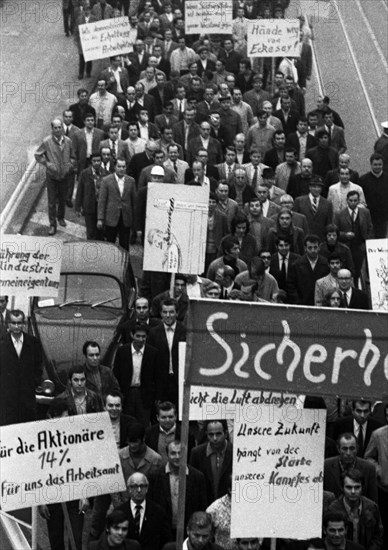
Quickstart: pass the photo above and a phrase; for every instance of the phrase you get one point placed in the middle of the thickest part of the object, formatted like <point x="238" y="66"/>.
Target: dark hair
<point x="352" y="193"/>
<point x="77" y="369"/>
<point x="311" y="239"/>
<point x="220" y="421"/>
<point x="90" y="343"/>
<point x="57" y="407"/>
<point x="168" y="302"/>
<point x="140" y="326"/>
<point x="332" y="228"/>
<point x="302" y="119"/>
<point x="285" y="238"/>
<point x="135" y="432"/>
<point x="239" y="218"/>
<point x="354" y="474"/>
<point x="334" y="256"/>
<point x="82" y="91"/>
<point x="375" y="156"/>
<point x="115" y="518"/>
<point x="257" y="267"/>
<point x="228" y="243"/>
<point x="165" y="406"/>
<point x="321" y="133"/>
<point x="268" y="173"/>
<point x="334" y="517"/>
<point x="363" y="401"/>
<point x="113" y="393"/>
<point x="200" y="520"/>
<point x="345" y="435"/>
<point x="17" y="313"/>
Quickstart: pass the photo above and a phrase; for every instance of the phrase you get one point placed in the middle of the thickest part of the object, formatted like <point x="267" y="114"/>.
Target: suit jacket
<point x="315" y="154"/>
<point x="79" y="110"/>
<point x="296" y="235"/>
<point x="145" y="174"/>
<point x="317" y="222"/>
<point x="97" y="12"/>
<point x="255" y="101"/>
<point x="337" y="138"/>
<point x="292" y="120"/>
<point x="123" y="370"/>
<point x="122" y="151"/>
<point x="344" y="223"/>
<point x="275" y="269"/>
<point x="111" y="204"/>
<point x="195" y="500"/>
<point x="293" y="141"/>
<point x="271" y="158"/>
<point x="159" y="103"/>
<point x="175" y="109"/>
<point x="155" y="531"/>
<point x="136" y="66"/>
<point x="346" y="424"/>
<point x="94" y="402"/>
<point x="19" y="376"/>
<point x="203" y="110"/>
<point x="111" y="83"/>
<point x="179" y="134"/>
<point x="161" y="121"/>
<point x="302" y="279"/>
<point x="167" y="384"/>
<point x="358" y="300"/>
<point x="138" y="162"/>
<point x="80" y="146"/>
<point x="214" y="150"/>
<point x="332" y="477"/>
<point x="211" y="172"/>
<point x="223" y="172"/>
<point x="4" y="327"/>
<point x="181" y="165"/>
<point x="202" y="462"/>
<point x="148" y="103"/>
<point x="108" y="380"/>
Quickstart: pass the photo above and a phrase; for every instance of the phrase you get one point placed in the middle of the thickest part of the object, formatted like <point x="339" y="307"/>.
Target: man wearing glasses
<point x="352" y="298"/>
<point x="20" y="373"/>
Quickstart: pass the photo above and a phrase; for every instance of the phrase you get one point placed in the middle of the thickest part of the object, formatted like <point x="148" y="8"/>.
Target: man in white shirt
<point x="243" y="109"/>
<point x="338" y="192"/>
<point x="103" y="102"/>
<point x="175" y="163"/>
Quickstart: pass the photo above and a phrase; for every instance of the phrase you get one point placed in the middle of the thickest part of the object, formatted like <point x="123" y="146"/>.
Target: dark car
<point x="96" y="291"/>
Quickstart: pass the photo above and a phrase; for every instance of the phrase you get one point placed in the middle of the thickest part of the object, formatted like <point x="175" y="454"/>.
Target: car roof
<point x="95" y="257"/>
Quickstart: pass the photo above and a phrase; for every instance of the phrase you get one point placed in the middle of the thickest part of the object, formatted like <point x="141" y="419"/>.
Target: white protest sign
<point x="278" y="467"/>
<point x="377" y="255"/>
<point x="58" y="460"/>
<point x="30" y="266"/>
<point x="176" y="228"/>
<point x="106" y="38"/>
<point x="273" y="38"/>
<point x="208" y="17"/>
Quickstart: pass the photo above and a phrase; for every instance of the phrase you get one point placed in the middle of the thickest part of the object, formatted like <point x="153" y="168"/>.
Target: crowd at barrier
<point x="288" y="222"/>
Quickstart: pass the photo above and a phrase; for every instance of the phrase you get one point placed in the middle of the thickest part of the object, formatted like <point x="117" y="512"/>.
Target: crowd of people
<point x="288" y="221"/>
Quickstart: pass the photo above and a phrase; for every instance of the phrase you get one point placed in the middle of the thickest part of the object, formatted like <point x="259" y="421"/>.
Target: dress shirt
<point x="17" y="344"/>
<point x="116" y="74"/>
<point x="89" y="142"/>
<point x="194" y="290"/>
<point x="302" y="144"/>
<point x="264" y="207"/>
<point x="137" y="358"/>
<point x="205" y="143"/>
<point x="314" y="201"/>
<point x="312" y="263"/>
<point x="357" y="427"/>
<point x="283" y="259"/>
<point x="120" y="183"/>
<point x="170" y="331"/>
<point x="353" y="213"/>
<point x="354" y="516"/>
<point x="80" y="402"/>
<point x="144" y="131"/>
<point x="348" y="295"/>
<point x="133" y="506"/>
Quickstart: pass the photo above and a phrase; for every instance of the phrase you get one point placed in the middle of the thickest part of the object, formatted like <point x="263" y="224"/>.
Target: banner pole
<point x="172" y="284"/>
<point x="68" y="525"/>
<point x="34" y="528"/>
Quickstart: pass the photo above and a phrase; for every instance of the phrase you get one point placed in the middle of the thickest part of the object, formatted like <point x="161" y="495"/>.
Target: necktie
<point x="113" y="150"/>
<point x="345" y="299"/>
<point x="67" y="131"/>
<point x="254" y="179"/>
<point x="329" y="129"/>
<point x="102" y="11"/>
<point x="315" y="205"/>
<point x="170" y="342"/>
<point x="2" y="320"/>
<point x="360" y="441"/>
<point x="229" y="172"/>
<point x="283" y="273"/>
<point x="137" y="518"/>
<point x="175" y="167"/>
<point x="353" y="216"/>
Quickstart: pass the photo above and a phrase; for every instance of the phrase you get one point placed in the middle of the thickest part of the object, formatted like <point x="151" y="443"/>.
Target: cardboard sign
<point x="58" y="460"/>
<point x="30" y="266"/>
<point x="208" y="17"/>
<point x="176" y="228"/>
<point x="287" y="348"/>
<point x="273" y="38"/>
<point x="278" y="467"/>
<point x="377" y="255"/>
<point x="107" y="38"/>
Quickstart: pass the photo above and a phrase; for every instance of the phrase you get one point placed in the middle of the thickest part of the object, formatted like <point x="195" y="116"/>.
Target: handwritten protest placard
<point x="278" y="467"/>
<point x="208" y="17"/>
<point x="176" y="228"/>
<point x="106" y="38"/>
<point x="30" y="266"/>
<point x="273" y="38"/>
<point x="377" y="255"/>
<point x="58" y="460"/>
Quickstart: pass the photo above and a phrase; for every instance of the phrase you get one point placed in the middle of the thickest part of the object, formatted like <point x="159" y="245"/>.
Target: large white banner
<point x="273" y="38"/>
<point x="208" y="17"/>
<point x="30" y="266"/>
<point x="377" y="255"/>
<point x="176" y="228"/>
<point x="278" y="474"/>
<point x="106" y="38"/>
<point x="58" y="460"/>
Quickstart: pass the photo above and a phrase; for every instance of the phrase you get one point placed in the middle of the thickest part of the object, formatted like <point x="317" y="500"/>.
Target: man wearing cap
<point x="318" y="210"/>
<point x="145" y="175"/>
<point x="157" y="175"/>
<point x="381" y="145"/>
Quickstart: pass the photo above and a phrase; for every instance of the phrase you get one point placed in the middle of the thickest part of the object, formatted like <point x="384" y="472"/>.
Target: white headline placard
<point x="106" y="38"/>
<point x="273" y="38"/>
<point x="30" y="266"/>
<point x="208" y="17"/>
<point x="176" y="228"/>
<point x="58" y="460"/>
<point x="278" y="467"/>
<point x="377" y="255"/>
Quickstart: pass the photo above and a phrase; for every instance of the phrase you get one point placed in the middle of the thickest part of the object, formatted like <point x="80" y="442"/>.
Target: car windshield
<point x="85" y="289"/>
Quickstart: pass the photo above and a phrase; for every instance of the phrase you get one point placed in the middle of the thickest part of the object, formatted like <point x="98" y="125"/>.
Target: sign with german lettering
<point x="287" y="348"/>
<point x="377" y="255"/>
<point x="278" y="467"/>
<point x="106" y="38"/>
<point x="176" y="228"/>
<point x="208" y="17"/>
<point x="273" y="38"/>
<point x="30" y="266"/>
<point x="58" y="460"/>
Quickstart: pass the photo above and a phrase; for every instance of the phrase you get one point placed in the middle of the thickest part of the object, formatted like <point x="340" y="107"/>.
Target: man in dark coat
<point x="20" y="372"/>
<point x="87" y="197"/>
<point x="317" y="209"/>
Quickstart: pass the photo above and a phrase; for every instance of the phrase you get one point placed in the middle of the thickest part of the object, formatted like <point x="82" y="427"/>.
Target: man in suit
<point x="323" y="156"/>
<point x="20" y="371"/>
<point x="107" y="164"/>
<point x="4" y="315"/>
<point x="168" y="44"/>
<point x="256" y="97"/>
<point x="299" y="220"/>
<point x="352" y="298"/>
<point x="214" y="460"/>
<point x="305" y="272"/>
<point x="375" y="186"/>
<point x="205" y="141"/>
<point x="116" y="77"/>
<point x="162" y="64"/>
<point x="145" y="101"/>
<point x="301" y="140"/>
<point x="86" y="142"/>
<point x="167" y="119"/>
<point x="141" y="160"/>
<point x="99" y="378"/>
<point x="268" y="207"/>
<point x="287" y="116"/>
<point x="225" y="205"/>
<point x="318" y="211"/>
<point x="334" y="468"/>
<point x="136" y="61"/>
<point x="165" y="431"/>
<point x="116" y="205"/>
<point x="282" y="261"/>
<point x="160" y="487"/>
<point x="332" y="176"/>
<point x="118" y="147"/>
<point x="337" y="193"/>
<point x="360" y="423"/>
<point x="277" y="154"/>
<point x="175" y="163"/>
<point x="160" y="94"/>
<point x="208" y="169"/>
<point x="135" y="369"/>
<point x="336" y="133"/>
<point x="148" y="523"/>
<point x="165" y="338"/>
<point x="186" y="130"/>
<point x="80" y="108"/>
<point x="179" y="295"/>
<point x="145" y="174"/>
<point x="226" y="169"/>
<point x="102" y="10"/>
<point x="355" y="227"/>
<point x="299" y="184"/>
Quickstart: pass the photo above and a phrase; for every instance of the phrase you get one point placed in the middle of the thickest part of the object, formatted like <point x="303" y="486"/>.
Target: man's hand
<point x="100" y="224"/>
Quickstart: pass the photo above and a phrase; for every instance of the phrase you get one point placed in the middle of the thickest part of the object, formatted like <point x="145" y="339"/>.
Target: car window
<point x="86" y="289"/>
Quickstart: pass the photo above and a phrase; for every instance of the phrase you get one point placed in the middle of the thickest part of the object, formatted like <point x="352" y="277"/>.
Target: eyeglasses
<point x="265" y="257"/>
<point x="141" y="486"/>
